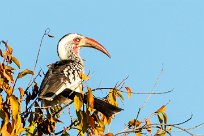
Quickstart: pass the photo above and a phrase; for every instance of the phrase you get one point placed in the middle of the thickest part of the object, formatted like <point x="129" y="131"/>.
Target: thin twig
<point x="156" y="125"/>
<point x="153" y="88"/>
<point x="108" y="88"/>
<point x="67" y="128"/>
<point x="35" y="65"/>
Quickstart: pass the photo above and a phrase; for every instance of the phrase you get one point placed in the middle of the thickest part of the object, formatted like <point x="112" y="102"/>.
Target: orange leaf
<point x="21" y="93"/>
<point x="148" y="128"/>
<point x="90" y="99"/>
<point x="129" y="91"/>
<point x="83" y="76"/>
<point x="161" y="109"/>
<point x="109" y="134"/>
<point x="91" y="121"/>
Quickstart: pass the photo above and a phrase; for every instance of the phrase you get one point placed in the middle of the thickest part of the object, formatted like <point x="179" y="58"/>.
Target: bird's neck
<point x="71" y="56"/>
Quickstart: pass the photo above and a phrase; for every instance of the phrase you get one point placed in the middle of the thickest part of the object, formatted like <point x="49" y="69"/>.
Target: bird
<point x="63" y="81"/>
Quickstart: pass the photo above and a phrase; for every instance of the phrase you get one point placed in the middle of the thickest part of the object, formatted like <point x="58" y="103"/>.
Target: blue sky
<point x="141" y="36"/>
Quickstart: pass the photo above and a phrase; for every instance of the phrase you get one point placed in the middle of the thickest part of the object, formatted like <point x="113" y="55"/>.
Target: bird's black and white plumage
<point x="63" y="81"/>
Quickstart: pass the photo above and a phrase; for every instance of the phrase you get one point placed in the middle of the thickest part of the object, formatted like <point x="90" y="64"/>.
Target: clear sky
<point x="141" y="36"/>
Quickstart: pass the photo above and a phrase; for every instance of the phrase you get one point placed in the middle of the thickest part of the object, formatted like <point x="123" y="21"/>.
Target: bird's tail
<point x="106" y="108"/>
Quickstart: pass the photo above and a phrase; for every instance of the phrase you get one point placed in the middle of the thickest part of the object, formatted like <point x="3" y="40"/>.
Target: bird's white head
<point x="69" y="45"/>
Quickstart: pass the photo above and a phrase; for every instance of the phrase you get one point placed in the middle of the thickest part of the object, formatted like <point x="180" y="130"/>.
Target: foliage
<point x="31" y="120"/>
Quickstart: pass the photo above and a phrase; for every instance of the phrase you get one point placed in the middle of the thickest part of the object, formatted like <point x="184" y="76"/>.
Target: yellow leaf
<point x="120" y="95"/>
<point x="169" y="128"/>
<point x="160" y="118"/>
<point x="17" y="125"/>
<point x="90" y="99"/>
<point x="5" y="124"/>
<point x="15" y="106"/>
<point x="25" y="72"/>
<point x="21" y="93"/>
<point x="138" y="134"/>
<point x="148" y="126"/>
<point x="161" y="109"/>
<point x="9" y="90"/>
<point x="78" y="101"/>
<point x="134" y="122"/>
<point x="129" y="91"/>
<point x="15" y="60"/>
<point x="83" y="76"/>
<point x="112" y="97"/>
<point x="21" y="130"/>
<point x="165" y="119"/>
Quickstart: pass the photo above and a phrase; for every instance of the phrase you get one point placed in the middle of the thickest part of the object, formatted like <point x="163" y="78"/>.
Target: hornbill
<point x="63" y="81"/>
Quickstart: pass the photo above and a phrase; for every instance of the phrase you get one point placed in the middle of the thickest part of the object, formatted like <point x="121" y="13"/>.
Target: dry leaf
<point x="15" y="60"/>
<point x="148" y="124"/>
<point x="109" y="134"/>
<point x="161" y="109"/>
<point x="25" y="72"/>
<point x="91" y="121"/>
<point x="90" y="99"/>
<point x="129" y="91"/>
<point x="21" y="93"/>
<point x="112" y="97"/>
<point x="84" y="77"/>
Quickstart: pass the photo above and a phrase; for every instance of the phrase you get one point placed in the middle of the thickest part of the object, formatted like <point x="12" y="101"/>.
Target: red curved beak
<point x="88" y="42"/>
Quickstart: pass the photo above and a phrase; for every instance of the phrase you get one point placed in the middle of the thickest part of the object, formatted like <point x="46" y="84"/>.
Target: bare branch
<point x="47" y="31"/>
<point x="153" y="88"/>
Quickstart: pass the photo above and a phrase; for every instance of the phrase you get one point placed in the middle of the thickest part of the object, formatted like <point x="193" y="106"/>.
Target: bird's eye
<point x="77" y="40"/>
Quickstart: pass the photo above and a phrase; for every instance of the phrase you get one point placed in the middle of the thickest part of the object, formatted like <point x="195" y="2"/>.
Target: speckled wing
<point x="60" y="75"/>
